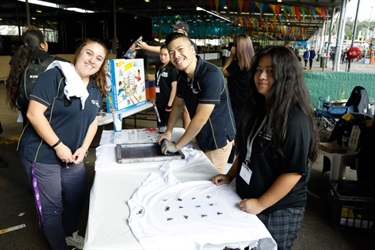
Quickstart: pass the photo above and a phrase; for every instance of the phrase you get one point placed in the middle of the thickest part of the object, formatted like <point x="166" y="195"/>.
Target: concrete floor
<point x="17" y="205"/>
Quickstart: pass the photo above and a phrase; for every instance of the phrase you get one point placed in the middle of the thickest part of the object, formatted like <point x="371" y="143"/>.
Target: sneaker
<point x="75" y="240"/>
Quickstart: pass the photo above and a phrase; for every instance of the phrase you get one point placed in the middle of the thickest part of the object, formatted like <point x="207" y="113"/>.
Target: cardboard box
<point x="150" y="87"/>
<point x="126" y="85"/>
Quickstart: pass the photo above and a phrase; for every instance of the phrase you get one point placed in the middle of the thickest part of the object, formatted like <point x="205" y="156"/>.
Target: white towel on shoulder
<point x="74" y="84"/>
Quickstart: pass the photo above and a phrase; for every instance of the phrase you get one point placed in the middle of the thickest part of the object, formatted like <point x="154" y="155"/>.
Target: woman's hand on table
<point x="221" y="179"/>
<point x="251" y="206"/>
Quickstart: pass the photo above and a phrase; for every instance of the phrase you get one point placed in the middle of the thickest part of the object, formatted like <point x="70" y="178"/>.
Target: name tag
<point x="157" y="88"/>
<point x="246" y="173"/>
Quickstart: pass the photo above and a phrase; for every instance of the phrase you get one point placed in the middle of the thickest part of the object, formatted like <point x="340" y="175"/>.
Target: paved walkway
<point x="356" y="66"/>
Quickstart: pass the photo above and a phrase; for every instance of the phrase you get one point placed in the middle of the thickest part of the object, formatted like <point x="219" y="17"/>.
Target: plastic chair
<point x="329" y="115"/>
<point x="338" y="155"/>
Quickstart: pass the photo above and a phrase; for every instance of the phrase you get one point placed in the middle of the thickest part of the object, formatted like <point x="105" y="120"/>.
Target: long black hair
<point x="31" y="40"/>
<point x="288" y="90"/>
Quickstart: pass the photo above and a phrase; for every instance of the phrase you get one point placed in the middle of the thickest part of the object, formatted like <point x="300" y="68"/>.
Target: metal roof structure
<point x="290" y="19"/>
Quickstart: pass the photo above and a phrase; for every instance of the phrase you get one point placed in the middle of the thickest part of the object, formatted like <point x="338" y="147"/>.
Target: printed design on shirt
<point x="266" y="135"/>
<point x="164" y="74"/>
<point x="189" y="208"/>
<point x="96" y="103"/>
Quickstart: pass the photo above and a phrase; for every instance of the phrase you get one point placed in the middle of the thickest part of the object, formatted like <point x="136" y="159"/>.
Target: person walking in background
<point x="63" y="109"/>
<point x="166" y="87"/>
<point x="202" y="89"/>
<point x="34" y="47"/>
<point x="306" y="56"/>
<point x="237" y="70"/>
<point x="276" y="139"/>
<point x="224" y="55"/>
<point x="311" y="57"/>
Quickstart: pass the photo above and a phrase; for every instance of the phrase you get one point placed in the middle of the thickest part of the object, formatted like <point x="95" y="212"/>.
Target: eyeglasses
<point x="190" y="83"/>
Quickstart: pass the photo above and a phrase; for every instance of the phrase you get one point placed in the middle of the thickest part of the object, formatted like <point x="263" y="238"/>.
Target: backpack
<point x="34" y="68"/>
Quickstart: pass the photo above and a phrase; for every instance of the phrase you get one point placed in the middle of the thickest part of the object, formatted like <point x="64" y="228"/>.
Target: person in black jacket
<point x="311" y="58"/>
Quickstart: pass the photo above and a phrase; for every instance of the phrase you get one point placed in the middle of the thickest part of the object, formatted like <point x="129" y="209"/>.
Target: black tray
<point x="144" y="152"/>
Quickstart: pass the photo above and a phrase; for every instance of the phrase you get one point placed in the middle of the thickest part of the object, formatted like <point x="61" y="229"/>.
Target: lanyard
<point x="250" y="140"/>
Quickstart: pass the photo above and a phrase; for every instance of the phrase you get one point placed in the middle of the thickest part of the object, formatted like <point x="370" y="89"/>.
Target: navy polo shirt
<point x="67" y="118"/>
<point x="208" y="87"/>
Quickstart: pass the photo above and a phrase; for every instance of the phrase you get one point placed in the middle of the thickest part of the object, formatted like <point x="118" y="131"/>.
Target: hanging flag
<point x="252" y="7"/>
<point x="240" y="2"/>
<point x="298" y="13"/>
<point x="246" y="6"/>
<point x="293" y="10"/>
<point x="321" y="11"/>
<point x="287" y="9"/>
<point x="277" y="10"/>
<point x="309" y="12"/>
<point x="234" y="5"/>
<point x="284" y="10"/>
<point x="260" y="9"/>
<point x="303" y="11"/>
<point x="313" y="12"/>
<point x="229" y="5"/>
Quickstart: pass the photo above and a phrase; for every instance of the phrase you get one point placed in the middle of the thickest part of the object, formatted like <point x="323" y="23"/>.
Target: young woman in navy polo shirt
<point x="63" y="121"/>
<point x="276" y="139"/>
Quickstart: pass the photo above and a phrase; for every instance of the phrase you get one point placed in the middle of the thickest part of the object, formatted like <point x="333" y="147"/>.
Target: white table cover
<point x="114" y="184"/>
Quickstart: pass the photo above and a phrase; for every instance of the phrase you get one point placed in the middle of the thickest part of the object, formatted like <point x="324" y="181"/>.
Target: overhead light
<point x="169" y="7"/>
<point x="279" y="1"/>
<point x="41" y="3"/>
<point x="211" y="13"/>
<point x="225" y="7"/>
<point x="56" y="6"/>
<point x="78" y="10"/>
<point x="147" y="1"/>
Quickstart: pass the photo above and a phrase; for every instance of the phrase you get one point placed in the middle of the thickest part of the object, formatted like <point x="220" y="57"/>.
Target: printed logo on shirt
<point x="96" y="103"/>
<point x="266" y="135"/>
<point x="164" y="74"/>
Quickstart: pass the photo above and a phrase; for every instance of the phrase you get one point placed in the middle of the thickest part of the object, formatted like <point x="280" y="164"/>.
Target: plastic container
<point x="352" y="205"/>
<point x="117" y="127"/>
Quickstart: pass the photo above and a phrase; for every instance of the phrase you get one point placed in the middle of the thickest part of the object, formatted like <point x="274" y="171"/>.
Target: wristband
<point x="57" y="143"/>
<point x="169" y="107"/>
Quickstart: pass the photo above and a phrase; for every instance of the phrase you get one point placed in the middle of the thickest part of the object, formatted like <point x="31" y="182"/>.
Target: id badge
<point x="246" y="173"/>
<point x="157" y="88"/>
